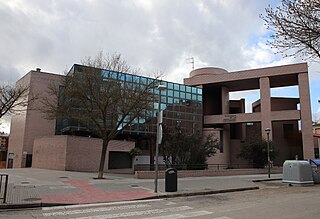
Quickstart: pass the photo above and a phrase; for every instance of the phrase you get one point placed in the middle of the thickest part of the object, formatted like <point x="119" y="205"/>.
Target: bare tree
<point x="296" y="27"/>
<point x="13" y="99"/>
<point x="97" y="97"/>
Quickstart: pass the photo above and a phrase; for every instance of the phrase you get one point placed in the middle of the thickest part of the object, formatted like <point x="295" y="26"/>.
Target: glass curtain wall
<point x="182" y="106"/>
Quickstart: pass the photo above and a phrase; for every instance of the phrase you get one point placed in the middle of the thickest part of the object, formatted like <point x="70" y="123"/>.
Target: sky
<point x="154" y="36"/>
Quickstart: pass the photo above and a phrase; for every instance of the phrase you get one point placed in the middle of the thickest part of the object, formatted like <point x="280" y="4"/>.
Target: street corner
<point x="95" y="197"/>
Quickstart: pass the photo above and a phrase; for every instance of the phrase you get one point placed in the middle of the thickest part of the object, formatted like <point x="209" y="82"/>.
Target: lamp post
<point x="158" y="138"/>
<point x="268" y="149"/>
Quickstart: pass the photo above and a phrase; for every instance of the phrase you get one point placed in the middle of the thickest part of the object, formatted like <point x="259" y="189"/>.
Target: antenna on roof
<point x="191" y="61"/>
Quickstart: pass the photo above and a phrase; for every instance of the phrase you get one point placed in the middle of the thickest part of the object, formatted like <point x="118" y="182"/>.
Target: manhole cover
<point x="63" y="177"/>
<point x="25" y="182"/>
<point x="134" y="185"/>
<point x="31" y="199"/>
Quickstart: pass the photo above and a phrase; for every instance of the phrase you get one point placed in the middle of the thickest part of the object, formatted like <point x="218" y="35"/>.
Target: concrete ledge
<point x="209" y="172"/>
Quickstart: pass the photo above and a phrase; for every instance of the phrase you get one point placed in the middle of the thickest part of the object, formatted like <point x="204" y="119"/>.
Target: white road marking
<point x="185" y="215"/>
<point x="62" y="187"/>
<point x="171" y="203"/>
<point x="92" y="210"/>
<point x="138" y="213"/>
<point x="224" y="217"/>
<point x="99" y="204"/>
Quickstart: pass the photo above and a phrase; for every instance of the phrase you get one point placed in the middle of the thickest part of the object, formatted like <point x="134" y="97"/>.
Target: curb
<point x="209" y="192"/>
<point x="266" y="180"/>
<point x="173" y="195"/>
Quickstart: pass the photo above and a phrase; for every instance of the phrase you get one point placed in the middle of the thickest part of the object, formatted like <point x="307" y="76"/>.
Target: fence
<point x="3" y="187"/>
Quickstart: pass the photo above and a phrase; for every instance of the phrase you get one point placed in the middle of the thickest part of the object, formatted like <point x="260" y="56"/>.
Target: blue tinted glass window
<point x="199" y="90"/>
<point x="164" y="83"/>
<point x="163" y="106"/>
<point x="114" y="75"/>
<point x="176" y="86"/>
<point x="150" y="80"/>
<point x="188" y="96"/>
<point x="121" y="76"/>
<point x="182" y="95"/>
<point x="163" y="92"/>
<point x="176" y="100"/>
<point x="163" y="99"/>
<point x="194" y="97"/>
<point x="188" y="89"/>
<point x="129" y="78"/>
<point x="143" y="80"/>
<point x="170" y="100"/>
<point x="142" y="86"/>
<point x="176" y="93"/>
<point x="136" y="79"/>
<point x="170" y="85"/>
<point x="199" y="97"/>
<point x="194" y="90"/>
<point x="170" y="93"/>
<point x="182" y="88"/>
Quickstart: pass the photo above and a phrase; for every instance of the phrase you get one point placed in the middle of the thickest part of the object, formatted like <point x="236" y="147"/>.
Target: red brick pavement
<point x="91" y="194"/>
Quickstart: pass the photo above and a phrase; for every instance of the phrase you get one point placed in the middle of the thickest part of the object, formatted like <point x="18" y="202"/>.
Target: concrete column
<point x="226" y="128"/>
<point x="305" y="111"/>
<point x="265" y="101"/>
<point x="243" y="125"/>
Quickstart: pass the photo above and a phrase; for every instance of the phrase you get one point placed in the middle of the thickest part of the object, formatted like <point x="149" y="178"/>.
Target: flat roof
<point x="280" y="76"/>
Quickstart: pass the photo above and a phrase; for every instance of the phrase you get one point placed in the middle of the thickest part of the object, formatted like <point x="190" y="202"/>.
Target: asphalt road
<point x="273" y="200"/>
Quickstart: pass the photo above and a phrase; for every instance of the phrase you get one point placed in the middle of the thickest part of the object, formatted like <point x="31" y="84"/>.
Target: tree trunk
<point x="103" y="158"/>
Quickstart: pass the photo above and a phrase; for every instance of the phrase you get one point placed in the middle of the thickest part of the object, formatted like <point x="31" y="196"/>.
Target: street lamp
<point x="159" y="137"/>
<point x="268" y="149"/>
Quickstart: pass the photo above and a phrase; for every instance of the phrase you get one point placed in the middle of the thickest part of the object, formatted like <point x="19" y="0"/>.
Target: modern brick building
<point x="225" y="116"/>
<point x="201" y="102"/>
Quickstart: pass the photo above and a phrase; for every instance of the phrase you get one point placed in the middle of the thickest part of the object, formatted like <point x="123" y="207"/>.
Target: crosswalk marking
<point x="99" y="204"/>
<point x="224" y="217"/>
<point x="138" y="213"/>
<point x="185" y="215"/>
<point x="92" y="210"/>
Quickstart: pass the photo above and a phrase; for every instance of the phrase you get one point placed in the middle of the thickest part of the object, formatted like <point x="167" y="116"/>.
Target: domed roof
<point x="208" y="71"/>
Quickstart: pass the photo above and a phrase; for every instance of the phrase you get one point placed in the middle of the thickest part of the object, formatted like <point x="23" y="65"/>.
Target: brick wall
<point x="74" y="153"/>
<point x="50" y="152"/>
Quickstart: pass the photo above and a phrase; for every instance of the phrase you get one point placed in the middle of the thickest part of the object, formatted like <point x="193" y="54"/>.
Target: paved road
<point x="273" y="200"/>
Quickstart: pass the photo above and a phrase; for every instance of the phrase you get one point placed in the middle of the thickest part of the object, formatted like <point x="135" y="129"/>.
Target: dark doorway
<point x="29" y="160"/>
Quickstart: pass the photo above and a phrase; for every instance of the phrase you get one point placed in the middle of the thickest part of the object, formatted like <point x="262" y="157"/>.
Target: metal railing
<point x="3" y="187"/>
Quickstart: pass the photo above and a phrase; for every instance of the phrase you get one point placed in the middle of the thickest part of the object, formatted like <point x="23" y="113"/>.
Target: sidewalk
<point x="30" y="187"/>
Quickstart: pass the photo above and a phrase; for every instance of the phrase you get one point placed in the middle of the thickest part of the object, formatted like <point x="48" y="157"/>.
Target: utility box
<point x="297" y="172"/>
<point x="315" y="167"/>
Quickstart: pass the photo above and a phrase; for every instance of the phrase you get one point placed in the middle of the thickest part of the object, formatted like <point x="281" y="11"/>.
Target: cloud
<point x="9" y="74"/>
<point x="154" y="36"/>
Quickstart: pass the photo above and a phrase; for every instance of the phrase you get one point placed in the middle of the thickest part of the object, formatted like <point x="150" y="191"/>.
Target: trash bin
<point x="297" y="172"/>
<point x="171" y="180"/>
<point x="315" y="167"/>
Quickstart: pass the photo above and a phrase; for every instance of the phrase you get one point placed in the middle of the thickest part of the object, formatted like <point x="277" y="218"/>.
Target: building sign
<point x="230" y="118"/>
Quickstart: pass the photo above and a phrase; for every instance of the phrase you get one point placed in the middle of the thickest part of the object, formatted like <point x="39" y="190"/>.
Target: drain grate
<point x="31" y="199"/>
<point x="63" y="177"/>
<point x="134" y="186"/>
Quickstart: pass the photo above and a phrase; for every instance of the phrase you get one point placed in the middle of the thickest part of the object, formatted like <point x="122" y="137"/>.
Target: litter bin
<point x="315" y="167"/>
<point x="171" y="180"/>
